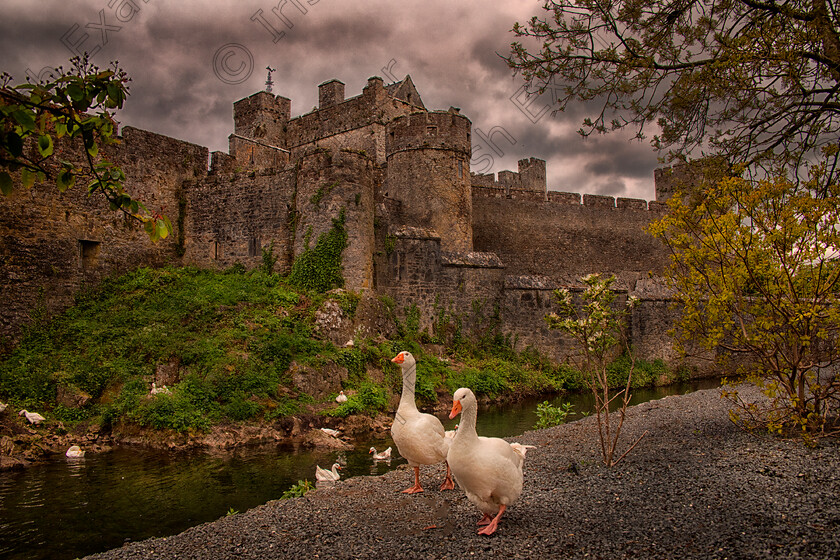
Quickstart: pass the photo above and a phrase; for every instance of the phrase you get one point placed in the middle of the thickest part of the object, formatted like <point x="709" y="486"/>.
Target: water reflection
<point x="69" y="508"/>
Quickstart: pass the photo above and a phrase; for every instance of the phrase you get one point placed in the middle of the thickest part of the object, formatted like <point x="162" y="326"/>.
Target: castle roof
<point x="405" y="91"/>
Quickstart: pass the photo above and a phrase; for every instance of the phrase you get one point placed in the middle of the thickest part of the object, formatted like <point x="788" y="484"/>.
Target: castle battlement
<point x="566" y="198"/>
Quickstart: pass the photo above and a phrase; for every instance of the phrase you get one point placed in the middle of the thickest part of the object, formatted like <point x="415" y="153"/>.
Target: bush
<point x="548" y="415"/>
<point x="370" y="399"/>
<point x="297" y="490"/>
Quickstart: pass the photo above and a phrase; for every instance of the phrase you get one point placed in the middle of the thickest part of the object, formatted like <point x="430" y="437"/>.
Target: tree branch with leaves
<point x="76" y="107"/>
<point x="755" y="82"/>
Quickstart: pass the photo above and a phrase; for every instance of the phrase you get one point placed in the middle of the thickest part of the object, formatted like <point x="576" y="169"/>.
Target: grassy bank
<point x="232" y="337"/>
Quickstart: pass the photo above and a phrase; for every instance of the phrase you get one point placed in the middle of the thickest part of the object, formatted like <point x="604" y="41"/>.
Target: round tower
<point x="428" y="156"/>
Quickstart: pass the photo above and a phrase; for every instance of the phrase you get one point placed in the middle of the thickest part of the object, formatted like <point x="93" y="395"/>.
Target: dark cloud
<point x="451" y="49"/>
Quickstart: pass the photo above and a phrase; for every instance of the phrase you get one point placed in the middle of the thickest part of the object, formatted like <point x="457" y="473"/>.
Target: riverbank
<point x="695" y="487"/>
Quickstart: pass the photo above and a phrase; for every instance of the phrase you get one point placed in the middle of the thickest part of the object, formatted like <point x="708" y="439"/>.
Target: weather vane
<point x="269" y="82"/>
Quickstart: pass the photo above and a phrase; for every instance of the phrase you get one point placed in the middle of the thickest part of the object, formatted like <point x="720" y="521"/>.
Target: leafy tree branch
<point x="755" y="82"/>
<point x="77" y="106"/>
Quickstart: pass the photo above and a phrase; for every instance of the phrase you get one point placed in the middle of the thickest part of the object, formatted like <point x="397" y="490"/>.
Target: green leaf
<point x="162" y="229"/>
<point x="27" y="177"/>
<point x="25" y="119"/>
<point x="92" y="148"/>
<point x="65" y="180"/>
<point x="45" y="145"/>
<point x="75" y="92"/>
<point x="5" y="183"/>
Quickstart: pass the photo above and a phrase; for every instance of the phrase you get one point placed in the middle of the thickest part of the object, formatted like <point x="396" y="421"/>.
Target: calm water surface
<point x="66" y="509"/>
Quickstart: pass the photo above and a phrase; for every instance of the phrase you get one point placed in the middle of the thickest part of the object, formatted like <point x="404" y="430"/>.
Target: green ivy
<point x="322" y="191"/>
<point x="319" y="268"/>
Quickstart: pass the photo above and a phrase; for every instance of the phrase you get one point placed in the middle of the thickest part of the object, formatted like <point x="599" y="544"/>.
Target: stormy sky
<point x="189" y="60"/>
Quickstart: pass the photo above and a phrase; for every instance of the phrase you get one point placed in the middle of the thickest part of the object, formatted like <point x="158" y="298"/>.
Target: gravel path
<point x="695" y="487"/>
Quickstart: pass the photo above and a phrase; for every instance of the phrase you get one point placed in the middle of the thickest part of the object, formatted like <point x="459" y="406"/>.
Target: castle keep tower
<point x="428" y="171"/>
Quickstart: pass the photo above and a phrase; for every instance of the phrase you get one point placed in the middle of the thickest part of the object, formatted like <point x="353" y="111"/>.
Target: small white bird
<point x="33" y="417"/>
<point x="521" y="449"/>
<point x="330" y="432"/>
<point x="341" y="397"/>
<point x="384" y="456"/>
<point x="3" y="406"/>
<point x="323" y="475"/>
<point x="159" y="390"/>
<point x="75" y="452"/>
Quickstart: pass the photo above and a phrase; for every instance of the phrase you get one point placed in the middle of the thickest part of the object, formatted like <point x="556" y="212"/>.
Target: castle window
<point x="254" y="247"/>
<point x="88" y="253"/>
<point x="217" y="250"/>
<point x="431" y="131"/>
<point x="460" y="169"/>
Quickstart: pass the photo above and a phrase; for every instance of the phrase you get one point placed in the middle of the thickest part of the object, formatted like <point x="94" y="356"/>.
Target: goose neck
<point x="466" y="428"/>
<point x="409" y="378"/>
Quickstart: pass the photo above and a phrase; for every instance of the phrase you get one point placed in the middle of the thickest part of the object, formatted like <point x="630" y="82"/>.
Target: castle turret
<point x="263" y="117"/>
<point x="428" y="171"/>
<point x="259" y="137"/>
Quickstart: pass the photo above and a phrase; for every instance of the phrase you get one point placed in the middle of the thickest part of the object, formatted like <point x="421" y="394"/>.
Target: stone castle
<point x="422" y="228"/>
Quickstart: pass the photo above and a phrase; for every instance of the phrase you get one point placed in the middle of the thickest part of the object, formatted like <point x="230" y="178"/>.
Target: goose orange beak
<point x="399" y="358"/>
<point x="456" y="409"/>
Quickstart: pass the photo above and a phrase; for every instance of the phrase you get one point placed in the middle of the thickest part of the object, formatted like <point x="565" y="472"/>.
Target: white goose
<point x="75" y="452"/>
<point x="341" y="398"/>
<point x="488" y="469"/>
<point x="3" y="406"/>
<point x="33" y="417"/>
<point x="419" y="437"/>
<point x="323" y="475"/>
<point x="384" y="456"/>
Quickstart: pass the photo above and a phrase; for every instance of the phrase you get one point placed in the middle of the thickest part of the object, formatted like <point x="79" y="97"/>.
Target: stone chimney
<point x="330" y="93"/>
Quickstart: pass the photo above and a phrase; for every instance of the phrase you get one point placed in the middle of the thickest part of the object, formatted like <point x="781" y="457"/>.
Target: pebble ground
<point x="696" y="486"/>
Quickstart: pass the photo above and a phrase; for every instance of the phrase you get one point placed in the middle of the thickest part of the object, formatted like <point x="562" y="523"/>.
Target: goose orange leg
<point x="491" y="528"/>
<point x="416" y="488"/>
<point x="484" y="520"/>
<point x="447" y="482"/>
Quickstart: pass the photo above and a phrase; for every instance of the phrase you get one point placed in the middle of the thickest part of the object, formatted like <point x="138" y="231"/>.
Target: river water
<point x="66" y="509"/>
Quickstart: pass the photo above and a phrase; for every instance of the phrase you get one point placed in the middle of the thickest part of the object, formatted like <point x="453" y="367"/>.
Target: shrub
<point x="297" y="490"/>
<point x="548" y="415"/>
<point x="369" y="399"/>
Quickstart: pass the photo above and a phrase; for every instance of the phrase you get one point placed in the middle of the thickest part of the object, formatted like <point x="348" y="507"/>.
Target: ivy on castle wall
<point x="319" y="268"/>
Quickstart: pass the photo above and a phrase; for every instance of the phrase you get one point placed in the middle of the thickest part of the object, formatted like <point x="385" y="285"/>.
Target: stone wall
<point x="54" y="244"/>
<point x="563" y="239"/>
<point x="230" y="217"/>
<point x="417" y="273"/>
<point x="330" y="183"/>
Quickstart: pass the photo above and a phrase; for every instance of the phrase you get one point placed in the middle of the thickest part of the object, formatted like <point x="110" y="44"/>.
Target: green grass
<point x="233" y="336"/>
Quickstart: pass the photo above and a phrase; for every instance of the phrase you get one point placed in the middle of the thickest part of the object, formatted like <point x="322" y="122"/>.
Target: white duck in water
<point x="384" y="456"/>
<point x="75" y="452"/>
<point x="488" y="469"/>
<point x="323" y="475"/>
<point x="419" y="437"/>
<point x="33" y="417"/>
